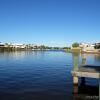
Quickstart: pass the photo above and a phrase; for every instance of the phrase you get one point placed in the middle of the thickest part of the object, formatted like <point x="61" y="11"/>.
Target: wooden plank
<point x="88" y="71"/>
<point x="85" y="74"/>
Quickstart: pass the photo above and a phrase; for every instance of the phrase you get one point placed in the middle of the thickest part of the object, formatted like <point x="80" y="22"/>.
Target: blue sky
<point x="50" y="22"/>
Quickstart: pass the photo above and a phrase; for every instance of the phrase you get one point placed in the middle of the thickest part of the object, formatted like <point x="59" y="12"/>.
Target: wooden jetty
<point x="84" y="71"/>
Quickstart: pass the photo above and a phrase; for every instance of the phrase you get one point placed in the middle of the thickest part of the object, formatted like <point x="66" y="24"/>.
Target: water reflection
<point x="97" y="58"/>
<point x="93" y="59"/>
<point x="15" y="55"/>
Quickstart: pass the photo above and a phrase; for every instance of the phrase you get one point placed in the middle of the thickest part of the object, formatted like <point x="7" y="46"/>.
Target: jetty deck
<point x="87" y="71"/>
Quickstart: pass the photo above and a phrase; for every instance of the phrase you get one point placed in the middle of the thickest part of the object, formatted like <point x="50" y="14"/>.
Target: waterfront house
<point x="1" y="45"/>
<point x="87" y="47"/>
<point x="22" y="46"/>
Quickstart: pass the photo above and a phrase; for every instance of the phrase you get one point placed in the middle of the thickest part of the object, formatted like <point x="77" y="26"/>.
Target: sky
<point x="50" y="22"/>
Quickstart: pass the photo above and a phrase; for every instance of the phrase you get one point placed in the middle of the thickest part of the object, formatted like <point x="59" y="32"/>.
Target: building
<point x="1" y="45"/>
<point x="22" y="46"/>
<point x="97" y="45"/>
<point x="87" y="47"/>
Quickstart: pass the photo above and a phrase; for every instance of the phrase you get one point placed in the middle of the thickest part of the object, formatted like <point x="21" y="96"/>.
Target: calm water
<point x="38" y="75"/>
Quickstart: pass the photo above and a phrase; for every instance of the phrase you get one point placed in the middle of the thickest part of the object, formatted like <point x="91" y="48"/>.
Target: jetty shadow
<point x="86" y="92"/>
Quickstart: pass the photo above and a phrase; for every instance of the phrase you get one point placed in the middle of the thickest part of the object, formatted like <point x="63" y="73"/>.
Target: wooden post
<point x="82" y="81"/>
<point x="76" y="63"/>
<point x="75" y="78"/>
<point x="75" y="90"/>
<point x="83" y="61"/>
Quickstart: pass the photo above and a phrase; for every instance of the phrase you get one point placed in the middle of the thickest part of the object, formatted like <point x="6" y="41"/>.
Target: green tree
<point x="97" y="46"/>
<point x="75" y="44"/>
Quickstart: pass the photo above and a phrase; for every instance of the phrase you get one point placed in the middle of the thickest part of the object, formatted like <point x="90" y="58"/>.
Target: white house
<point x="1" y="44"/>
<point x="87" y="47"/>
<point x="19" y="46"/>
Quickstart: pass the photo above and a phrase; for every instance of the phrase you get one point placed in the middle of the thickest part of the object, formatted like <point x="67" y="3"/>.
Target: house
<point x="97" y="45"/>
<point x="22" y="46"/>
<point x="2" y="45"/>
<point x="87" y="47"/>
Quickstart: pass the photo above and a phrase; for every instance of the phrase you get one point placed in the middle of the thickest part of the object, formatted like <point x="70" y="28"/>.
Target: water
<point x="38" y="75"/>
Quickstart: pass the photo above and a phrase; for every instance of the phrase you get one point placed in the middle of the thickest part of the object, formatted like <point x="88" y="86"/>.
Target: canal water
<point x="39" y="75"/>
